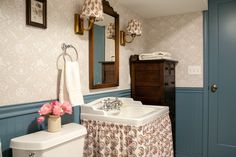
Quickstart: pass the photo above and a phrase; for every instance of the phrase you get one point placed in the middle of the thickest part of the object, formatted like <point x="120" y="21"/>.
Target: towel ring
<point x="64" y="47"/>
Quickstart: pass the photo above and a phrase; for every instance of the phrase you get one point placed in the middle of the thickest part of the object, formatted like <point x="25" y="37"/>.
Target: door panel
<point x="222" y="72"/>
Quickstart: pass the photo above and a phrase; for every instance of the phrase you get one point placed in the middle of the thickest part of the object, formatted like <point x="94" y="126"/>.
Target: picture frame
<point x="36" y="13"/>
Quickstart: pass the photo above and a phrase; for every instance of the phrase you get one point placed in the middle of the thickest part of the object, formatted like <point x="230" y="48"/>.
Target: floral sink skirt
<point x="105" y="139"/>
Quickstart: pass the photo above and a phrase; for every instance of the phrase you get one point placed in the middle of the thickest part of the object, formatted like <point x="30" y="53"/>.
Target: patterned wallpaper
<point x="28" y="54"/>
<point x="182" y="36"/>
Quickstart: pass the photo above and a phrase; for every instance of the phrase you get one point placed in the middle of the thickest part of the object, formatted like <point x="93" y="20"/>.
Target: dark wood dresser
<point x="153" y="83"/>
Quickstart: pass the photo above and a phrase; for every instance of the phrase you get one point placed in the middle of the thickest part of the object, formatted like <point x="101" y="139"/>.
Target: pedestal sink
<point x="131" y="112"/>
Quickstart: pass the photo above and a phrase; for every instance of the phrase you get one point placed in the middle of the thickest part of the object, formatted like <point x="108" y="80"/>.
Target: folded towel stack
<point x="155" y="55"/>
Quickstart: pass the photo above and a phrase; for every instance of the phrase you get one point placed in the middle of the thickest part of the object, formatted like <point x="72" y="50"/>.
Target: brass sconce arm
<point x="91" y="22"/>
<point x="124" y="40"/>
<point x="79" y="24"/>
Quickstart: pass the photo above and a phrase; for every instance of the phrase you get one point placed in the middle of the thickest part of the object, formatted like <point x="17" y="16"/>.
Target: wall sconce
<point x="93" y="11"/>
<point x="111" y="31"/>
<point x="134" y="29"/>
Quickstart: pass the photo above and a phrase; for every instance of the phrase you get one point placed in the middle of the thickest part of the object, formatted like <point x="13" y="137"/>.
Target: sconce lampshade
<point x="92" y="8"/>
<point x="111" y="31"/>
<point x="134" y="27"/>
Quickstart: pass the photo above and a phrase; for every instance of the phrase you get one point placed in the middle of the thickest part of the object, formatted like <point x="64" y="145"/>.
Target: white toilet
<point x="67" y="142"/>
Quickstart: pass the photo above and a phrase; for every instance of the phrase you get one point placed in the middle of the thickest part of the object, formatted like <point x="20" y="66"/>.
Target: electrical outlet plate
<point x="194" y="70"/>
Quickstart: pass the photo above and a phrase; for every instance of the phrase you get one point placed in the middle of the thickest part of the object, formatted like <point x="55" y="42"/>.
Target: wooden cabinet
<point x="108" y="72"/>
<point x="153" y="83"/>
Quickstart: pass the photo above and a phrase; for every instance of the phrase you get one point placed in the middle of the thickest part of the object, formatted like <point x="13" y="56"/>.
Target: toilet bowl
<point x="67" y="142"/>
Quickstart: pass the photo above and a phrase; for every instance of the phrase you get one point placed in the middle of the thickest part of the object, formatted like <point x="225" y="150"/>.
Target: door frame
<point x="205" y="83"/>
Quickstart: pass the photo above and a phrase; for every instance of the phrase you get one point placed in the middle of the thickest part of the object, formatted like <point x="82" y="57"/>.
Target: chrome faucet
<point x="111" y="104"/>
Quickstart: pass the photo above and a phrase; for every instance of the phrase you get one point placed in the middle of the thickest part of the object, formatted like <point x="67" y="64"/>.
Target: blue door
<point x="222" y="78"/>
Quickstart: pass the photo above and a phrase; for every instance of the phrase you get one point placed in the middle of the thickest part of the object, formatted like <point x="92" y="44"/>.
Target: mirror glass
<point x="104" y="50"/>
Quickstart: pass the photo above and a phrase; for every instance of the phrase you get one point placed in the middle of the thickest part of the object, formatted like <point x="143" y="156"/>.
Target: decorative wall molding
<point x="189" y="90"/>
<point x="120" y="93"/>
<point x="19" y="109"/>
<point x="28" y="108"/>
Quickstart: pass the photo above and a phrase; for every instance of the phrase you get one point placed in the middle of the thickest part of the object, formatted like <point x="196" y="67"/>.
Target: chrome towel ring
<point x="64" y="48"/>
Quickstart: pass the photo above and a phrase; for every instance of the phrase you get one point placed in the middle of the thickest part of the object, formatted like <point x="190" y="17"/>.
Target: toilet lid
<point x="43" y="140"/>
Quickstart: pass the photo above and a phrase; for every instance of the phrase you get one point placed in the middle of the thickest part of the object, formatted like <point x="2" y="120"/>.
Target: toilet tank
<point x="67" y="142"/>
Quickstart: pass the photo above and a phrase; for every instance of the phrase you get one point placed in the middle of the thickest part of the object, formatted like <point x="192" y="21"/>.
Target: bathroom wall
<point x="28" y="54"/>
<point x="182" y="36"/>
<point x="29" y="74"/>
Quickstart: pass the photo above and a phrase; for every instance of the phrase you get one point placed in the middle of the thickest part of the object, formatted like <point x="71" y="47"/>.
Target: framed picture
<point x="36" y="13"/>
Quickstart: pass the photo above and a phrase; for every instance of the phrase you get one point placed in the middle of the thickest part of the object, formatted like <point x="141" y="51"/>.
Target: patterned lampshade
<point x="134" y="27"/>
<point x="111" y="31"/>
<point x="92" y="8"/>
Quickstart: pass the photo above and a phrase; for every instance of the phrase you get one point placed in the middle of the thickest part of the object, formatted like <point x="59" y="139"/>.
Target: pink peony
<point x="54" y="103"/>
<point x="66" y="107"/>
<point x="40" y="119"/>
<point x="45" y="109"/>
<point x="54" y="108"/>
<point x="57" y="110"/>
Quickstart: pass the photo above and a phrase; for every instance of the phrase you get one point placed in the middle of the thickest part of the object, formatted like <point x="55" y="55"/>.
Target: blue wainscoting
<point x="189" y="122"/>
<point x="18" y="120"/>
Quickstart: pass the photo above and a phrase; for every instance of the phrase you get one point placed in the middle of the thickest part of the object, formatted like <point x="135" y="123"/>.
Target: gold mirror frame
<point x="107" y="9"/>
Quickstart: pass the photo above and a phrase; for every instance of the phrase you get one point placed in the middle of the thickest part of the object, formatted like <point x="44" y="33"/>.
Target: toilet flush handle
<point x="32" y="155"/>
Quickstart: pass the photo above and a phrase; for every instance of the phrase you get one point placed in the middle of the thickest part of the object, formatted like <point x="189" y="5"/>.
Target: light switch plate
<point x="194" y="70"/>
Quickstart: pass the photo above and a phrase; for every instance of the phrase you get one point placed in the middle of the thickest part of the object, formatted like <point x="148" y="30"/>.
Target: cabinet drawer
<point x="169" y="81"/>
<point x="169" y="69"/>
<point x="147" y="66"/>
<point x="109" y="67"/>
<point x="149" y="100"/>
<point x="150" y="76"/>
<point x="148" y="91"/>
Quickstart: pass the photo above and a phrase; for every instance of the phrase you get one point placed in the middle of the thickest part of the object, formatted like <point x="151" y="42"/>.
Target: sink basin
<point x="131" y="113"/>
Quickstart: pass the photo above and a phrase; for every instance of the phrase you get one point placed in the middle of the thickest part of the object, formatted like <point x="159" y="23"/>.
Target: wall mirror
<point x="104" y="50"/>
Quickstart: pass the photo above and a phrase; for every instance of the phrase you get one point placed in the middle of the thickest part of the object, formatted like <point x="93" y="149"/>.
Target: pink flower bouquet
<point x="54" y="108"/>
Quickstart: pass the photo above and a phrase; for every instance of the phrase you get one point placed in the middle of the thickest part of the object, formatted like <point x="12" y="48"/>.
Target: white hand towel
<point x="63" y="93"/>
<point x="73" y="85"/>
